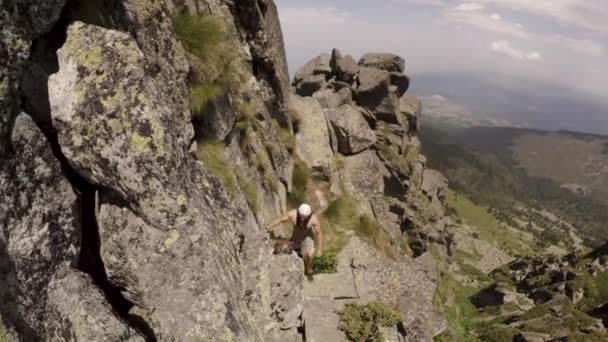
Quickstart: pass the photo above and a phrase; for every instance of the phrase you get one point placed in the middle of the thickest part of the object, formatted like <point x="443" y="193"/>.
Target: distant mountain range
<point x="472" y="100"/>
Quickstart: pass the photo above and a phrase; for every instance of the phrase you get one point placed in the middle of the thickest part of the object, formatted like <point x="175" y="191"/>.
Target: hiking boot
<point x="309" y="276"/>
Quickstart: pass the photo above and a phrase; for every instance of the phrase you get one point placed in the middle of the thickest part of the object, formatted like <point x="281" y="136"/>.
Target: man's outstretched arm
<point x="280" y="219"/>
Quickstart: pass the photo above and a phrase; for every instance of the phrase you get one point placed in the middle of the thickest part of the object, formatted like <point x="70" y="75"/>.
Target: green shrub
<point x="326" y="263"/>
<point x="211" y="153"/>
<point x="362" y="322"/>
<point x="214" y="68"/>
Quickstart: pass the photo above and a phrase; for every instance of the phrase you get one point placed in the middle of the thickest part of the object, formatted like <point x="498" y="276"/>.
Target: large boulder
<point x="363" y="176"/>
<point x="39" y="232"/>
<point x="411" y="107"/>
<point x="77" y="305"/>
<point x="328" y="99"/>
<point x="373" y="87"/>
<point x="388" y="109"/>
<point x="500" y="295"/>
<point x="130" y="152"/>
<point x="345" y="68"/>
<point x="383" y="61"/>
<point x="401" y="81"/>
<point x="312" y="141"/>
<point x="434" y="183"/>
<point x="352" y="131"/>
<point x="311" y="84"/>
<point x="319" y="65"/>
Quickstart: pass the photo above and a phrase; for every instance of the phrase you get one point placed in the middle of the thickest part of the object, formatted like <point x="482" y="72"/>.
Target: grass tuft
<point x="250" y="191"/>
<point x="214" y="64"/>
<point x="326" y="263"/>
<point x="201" y="95"/>
<point x="299" y="181"/>
<point x="211" y="153"/>
<point x="343" y="214"/>
<point x="363" y="322"/>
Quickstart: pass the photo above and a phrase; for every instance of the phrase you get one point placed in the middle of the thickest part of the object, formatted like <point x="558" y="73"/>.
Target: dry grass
<point x="211" y="153"/>
<point x="214" y="64"/>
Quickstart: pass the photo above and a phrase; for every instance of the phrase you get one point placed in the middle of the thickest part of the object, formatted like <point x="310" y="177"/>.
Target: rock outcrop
<point x="549" y="298"/>
<point x="376" y="160"/>
<point x="114" y="227"/>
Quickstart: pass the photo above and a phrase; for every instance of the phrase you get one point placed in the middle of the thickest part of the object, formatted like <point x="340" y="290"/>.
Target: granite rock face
<point x="312" y="142"/>
<point x="352" y="131"/>
<point x="113" y="164"/>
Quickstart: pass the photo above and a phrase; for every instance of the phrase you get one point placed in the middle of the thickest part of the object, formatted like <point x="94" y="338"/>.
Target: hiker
<point x="306" y="231"/>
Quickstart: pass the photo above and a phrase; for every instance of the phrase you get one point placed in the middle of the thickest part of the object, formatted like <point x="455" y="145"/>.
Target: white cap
<point x="304" y="210"/>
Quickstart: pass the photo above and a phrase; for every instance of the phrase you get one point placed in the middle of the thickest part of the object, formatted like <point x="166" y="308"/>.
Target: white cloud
<point x="468" y="7"/>
<point x="428" y="36"/>
<point x="480" y="20"/>
<point x="312" y="16"/>
<point x="583" y="14"/>
<point x="504" y="48"/>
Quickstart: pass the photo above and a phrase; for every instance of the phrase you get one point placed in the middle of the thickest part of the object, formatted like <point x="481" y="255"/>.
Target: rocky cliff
<point x="127" y="213"/>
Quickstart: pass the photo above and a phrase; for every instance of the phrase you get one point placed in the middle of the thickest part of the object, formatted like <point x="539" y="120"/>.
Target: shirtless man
<point x="306" y="231"/>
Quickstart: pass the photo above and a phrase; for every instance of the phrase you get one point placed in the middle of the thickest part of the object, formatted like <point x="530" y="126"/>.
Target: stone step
<point x="321" y="320"/>
<point x="339" y="286"/>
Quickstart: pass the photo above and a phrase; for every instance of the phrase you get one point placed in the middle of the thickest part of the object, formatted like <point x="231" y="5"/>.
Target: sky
<point x="563" y="43"/>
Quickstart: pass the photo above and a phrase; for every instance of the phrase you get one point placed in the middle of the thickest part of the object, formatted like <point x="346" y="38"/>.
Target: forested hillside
<point x="514" y="172"/>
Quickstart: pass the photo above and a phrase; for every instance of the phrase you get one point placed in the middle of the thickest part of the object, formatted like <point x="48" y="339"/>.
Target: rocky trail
<point x="364" y="276"/>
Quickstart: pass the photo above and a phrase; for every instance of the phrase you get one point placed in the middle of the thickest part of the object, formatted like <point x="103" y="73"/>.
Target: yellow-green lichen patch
<point x="180" y="200"/>
<point x="3" y="88"/>
<point x="140" y="143"/>
<point x="83" y="158"/>
<point x="100" y="79"/>
<point x="171" y="240"/>
<point x="90" y="58"/>
<point x="158" y="135"/>
<point x="109" y="101"/>
<point x="21" y="44"/>
<point x="116" y="126"/>
<point x="130" y="50"/>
